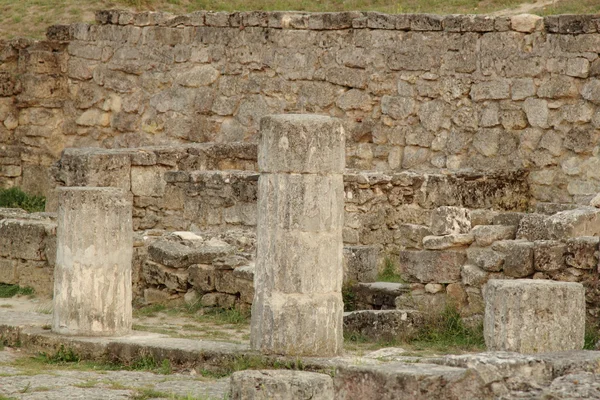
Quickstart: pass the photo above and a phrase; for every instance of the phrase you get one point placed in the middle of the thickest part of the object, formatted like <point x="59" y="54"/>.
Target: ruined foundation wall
<point x="416" y="92"/>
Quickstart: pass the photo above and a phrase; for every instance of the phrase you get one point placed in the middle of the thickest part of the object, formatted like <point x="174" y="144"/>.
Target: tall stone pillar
<point x="92" y="276"/>
<point x="297" y="307"/>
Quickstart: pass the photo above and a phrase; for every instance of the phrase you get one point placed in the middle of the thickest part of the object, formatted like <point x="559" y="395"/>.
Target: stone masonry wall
<point x="416" y="92"/>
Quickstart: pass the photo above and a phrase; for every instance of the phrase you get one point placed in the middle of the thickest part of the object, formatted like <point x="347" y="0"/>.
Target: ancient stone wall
<point x="418" y="92"/>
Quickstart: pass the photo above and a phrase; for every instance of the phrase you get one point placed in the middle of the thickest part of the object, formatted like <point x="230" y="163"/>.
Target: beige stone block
<point x="281" y="385"/>
<point x="202" y="277"/>
<point x="534" y="316"/>
<point x="148" y="181"/>
<point x="8" y="271"/>
<point x="276" y="320"/>
<point x="301" y="143"/>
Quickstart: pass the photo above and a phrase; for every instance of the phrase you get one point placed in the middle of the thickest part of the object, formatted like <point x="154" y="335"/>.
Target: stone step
<point x="382" y="324"/>
<point x="379" y="295"/>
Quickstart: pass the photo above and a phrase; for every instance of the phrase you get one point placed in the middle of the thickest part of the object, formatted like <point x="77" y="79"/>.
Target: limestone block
<point x="24" y="239"/>
<point x="174" y="279"/>
<point x="474" y="276"/>
<point x="92" y="279"/>
<point x="526" y="23"/>
<point x="534" y="316"/>
<point x="518" y="257"/>
<point x="222" y="300"/>
<point x="418" y="300"/>
<point x="202" y="277"/>
<point x="582" y="252"/>
<point x="508" y="218"/>
<point x="286" y="145"/>
<point x="485" y="235"/>
<point x="379" y="295"/>
<point x="275" y="322"/>
<point x="485" y="258"/>
<point x="431" y="266"/>
<point x="94" y="167"/>
<point x="447" y="241"/>
<point x="360" y="263"/>
<point x="583" y="221"/>
<point x="533" y="227"/>
<point x="281" y="385"/>
<point x="225" y="281"/>
<point x="148" y="181"/>
<point x="36" y="275"/>
<point x="548" y="255"/>
<point x="382" y="324"/>
<point x="410" y="235"/>
<point x="178" y="255"/>
<point x="404" y="381"/>
<point x="448" y="220"/>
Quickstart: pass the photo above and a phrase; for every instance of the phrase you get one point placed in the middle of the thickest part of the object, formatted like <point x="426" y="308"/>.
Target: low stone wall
<point x="27" y="249"/>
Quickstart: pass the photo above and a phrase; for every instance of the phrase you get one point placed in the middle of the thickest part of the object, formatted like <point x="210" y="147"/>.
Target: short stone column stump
<point x="534" y="316"/>
<point x="92" y="277"/>
<point x="280" y="385"/>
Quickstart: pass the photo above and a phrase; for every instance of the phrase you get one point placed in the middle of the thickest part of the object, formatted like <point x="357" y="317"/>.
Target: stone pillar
<point x="92" y="277"/>
<point x="534" y="315"/>
<point x="297" y="307"/>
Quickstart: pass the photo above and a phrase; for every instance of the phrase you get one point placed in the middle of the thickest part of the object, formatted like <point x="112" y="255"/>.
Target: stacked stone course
<point x="474" y="92"/>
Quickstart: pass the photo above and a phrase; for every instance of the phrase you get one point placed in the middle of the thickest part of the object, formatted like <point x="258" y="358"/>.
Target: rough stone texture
<point x="408" y="381"/>
<point x="447" y="241"/>
<point x="92" y="280"/>
<point x="379" y="295"/>
<point x="431" y="266"/>
<point x="534" y="316"/>
<point x="280" y="384"/>
<point x="360" y="263"/>
<point x="548" y="255"/>
<point x="299" y="271"/>
<point x="485" y="235"/>
<point x="382" y="324"/>
<point x="518" y="257"/>
<point x="450" y="220"/>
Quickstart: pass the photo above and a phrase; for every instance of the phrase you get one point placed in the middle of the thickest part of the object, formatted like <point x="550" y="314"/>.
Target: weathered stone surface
<point x="382" y="324"/>
<point x="222" y="300"/>
<point x="173" y="278"/>
<point x="178" y="255"/>
<point x="485" y="258"/>
<point x="25" y="239"/>
<point x="447" y="241"/>
<point x="301" y="143"/>
<point x="360" y="263"/>
<point x="518" y="257"/>
<point x="92" y="284"/>
<point x="548" y="255"/>
<point x="280" y="384"/>
<point x="485" y="235"/>
<point x="379" y="295"/>
<point x="473" y="276"/>
<point x="431" y="266"/>
<point x="526" y="22"/>
<point x="533" y="316"/>
<point x="582" y="252"/>
<point x="450" y="220"/>
<point x="402" y="381"/>
<point x="299" y="272"/>
<point x="202" y="277"/>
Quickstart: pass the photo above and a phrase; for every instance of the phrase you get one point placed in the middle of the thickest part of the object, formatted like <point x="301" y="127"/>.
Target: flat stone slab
<point x="534" y="316"/>
<point x="281" y="385"/>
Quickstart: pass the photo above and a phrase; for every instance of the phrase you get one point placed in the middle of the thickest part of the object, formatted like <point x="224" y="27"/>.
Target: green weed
<point x="592" y="336"/>
<point x="7" y="291"/>
<point x="388" y="273"/>
<point x="16" y="198"/>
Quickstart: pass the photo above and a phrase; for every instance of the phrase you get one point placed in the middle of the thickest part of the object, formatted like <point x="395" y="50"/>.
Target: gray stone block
<point x="448" y="220"/>
<point x="360" y="263"/>
<point x="447" y="241"/>
<point x="534" y="316"/>
<point x="582" y="252"/>
<point x="548" y="255"/>
<point x="379" y="295"/>
<point x="431" y="266"/>
<point x="518" y="257"/>
<point x="382" y="324"/>
<point x="281" y="385"/>
<point x="485" y="235"/>
<point x="485" y="258"/>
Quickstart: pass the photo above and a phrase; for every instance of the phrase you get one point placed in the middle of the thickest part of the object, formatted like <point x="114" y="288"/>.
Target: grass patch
<point x="388" y="273"/>
<point x="349" y="296"/>
<point x="443" y="332"/>
<point x="592" y="336"/>
<point x="7" y="291"/>
<point x="16" y="198"/>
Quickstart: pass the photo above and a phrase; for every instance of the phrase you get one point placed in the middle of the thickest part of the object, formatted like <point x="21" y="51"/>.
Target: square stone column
<point x="534" y="315"/>
<point x="297" y="307"/>
<point x="92" y="276"/>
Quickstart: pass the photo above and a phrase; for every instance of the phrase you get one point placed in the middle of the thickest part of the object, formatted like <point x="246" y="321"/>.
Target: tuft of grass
<point x="16" y="198"/>
<point x="62" y="356"/>
<point x="7" y="291"/>
<point x="349" y="297"/>
<point x="446" y="331"/>
<point x="388" y="273"/>
<point x="592" y="336"/>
